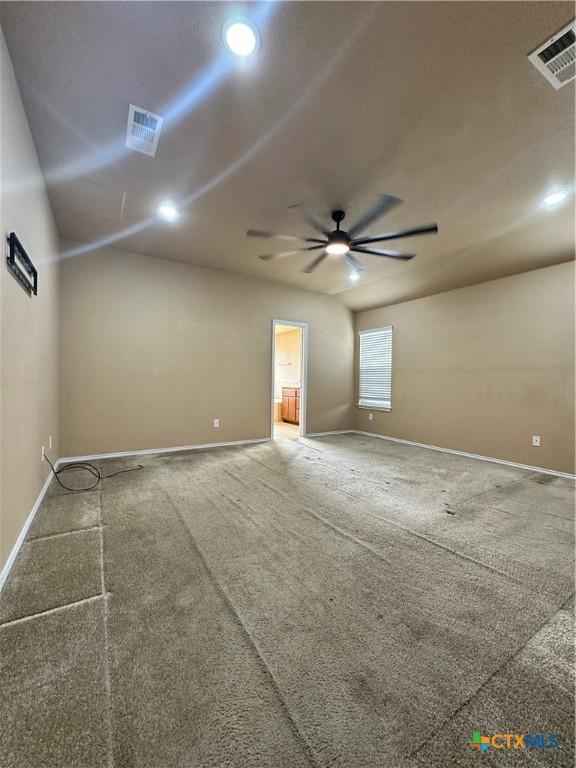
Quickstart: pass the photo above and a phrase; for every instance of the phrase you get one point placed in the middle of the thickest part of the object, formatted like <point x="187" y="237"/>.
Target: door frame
<point x="303" y="373"/>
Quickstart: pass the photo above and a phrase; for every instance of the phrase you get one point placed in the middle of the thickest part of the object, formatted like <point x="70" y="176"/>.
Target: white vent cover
<point x="143" y="130"/>
<point x="556" y="58"/>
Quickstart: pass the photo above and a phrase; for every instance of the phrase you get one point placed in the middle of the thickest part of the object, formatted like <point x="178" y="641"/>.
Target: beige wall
<point x="28" y="325"/>
<point x="153" y="350"/>
<point x="288" y="360"/>
<point x="483" y="368"/>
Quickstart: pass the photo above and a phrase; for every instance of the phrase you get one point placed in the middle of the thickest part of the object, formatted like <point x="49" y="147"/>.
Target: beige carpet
<point x="285" y="431"/>
<point x="341" y="601"/>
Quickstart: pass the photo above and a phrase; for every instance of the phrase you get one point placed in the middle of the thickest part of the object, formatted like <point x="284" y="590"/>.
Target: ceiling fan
<point x="338" y="242"/>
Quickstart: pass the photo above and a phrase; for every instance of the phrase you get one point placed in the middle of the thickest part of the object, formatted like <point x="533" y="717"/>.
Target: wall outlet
<point x="536" y="441"/>
<point x="369" y="417"/>
<point x="216" y="423"/>
<point x="42" y="453"/>
<point x="50" y="443"/>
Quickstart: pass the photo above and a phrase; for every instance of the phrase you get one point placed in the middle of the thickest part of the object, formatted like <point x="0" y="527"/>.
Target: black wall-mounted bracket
<point x="21" y="266"/>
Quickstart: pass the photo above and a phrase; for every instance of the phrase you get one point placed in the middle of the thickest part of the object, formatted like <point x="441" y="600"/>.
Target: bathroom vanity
<point x="291" y="404"/>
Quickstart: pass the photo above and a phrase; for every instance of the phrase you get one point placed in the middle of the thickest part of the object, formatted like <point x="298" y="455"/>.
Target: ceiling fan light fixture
<point x="337" y="248"/>
<point x="345" y="242"/>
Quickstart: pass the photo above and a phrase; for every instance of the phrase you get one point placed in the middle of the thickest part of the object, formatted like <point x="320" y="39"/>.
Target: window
<point x="375" y="389"/>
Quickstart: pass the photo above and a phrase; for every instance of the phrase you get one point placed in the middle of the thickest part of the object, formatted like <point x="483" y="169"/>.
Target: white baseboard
<point x="514" y="464"/>
<point x="150" y="451"/>
<point x="24" y="532"/>
<point x="333" y="432"/>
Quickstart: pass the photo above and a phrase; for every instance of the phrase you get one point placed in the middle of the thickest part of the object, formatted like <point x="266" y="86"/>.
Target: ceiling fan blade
<point x="384" y="204"/>
<point x="387" y="254"/>
<point x="428" y="229"/>
<point x="313" y="264"/>
<point x="274" y="236"/>
<point x="354" y="263"/>
<point x="268" y="256"/>
<point x="311" y="220"/>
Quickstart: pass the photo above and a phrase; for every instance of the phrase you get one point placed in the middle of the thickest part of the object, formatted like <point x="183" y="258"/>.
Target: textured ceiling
<point x="433" y="102"/>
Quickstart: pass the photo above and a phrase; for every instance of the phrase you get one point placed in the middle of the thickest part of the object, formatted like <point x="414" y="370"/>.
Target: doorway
<point x="289" y="368"/>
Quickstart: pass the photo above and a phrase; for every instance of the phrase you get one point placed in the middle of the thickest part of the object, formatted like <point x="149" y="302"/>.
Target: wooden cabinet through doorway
<point x="291" y="405"/>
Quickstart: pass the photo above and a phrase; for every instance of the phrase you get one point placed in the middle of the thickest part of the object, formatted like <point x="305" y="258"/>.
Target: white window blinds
<point x="376" y="368"/>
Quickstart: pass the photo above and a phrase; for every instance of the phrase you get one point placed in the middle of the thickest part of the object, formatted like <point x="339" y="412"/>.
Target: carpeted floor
<point x="338" y="601"/>
<point x="285" y="431"/>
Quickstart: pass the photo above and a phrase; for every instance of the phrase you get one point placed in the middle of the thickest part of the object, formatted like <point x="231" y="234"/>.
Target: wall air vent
<point x="143" y="130"/>
<point x="556" y="58"/>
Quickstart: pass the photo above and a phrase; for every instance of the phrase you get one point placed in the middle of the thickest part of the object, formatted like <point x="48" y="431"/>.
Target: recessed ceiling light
<point x="354" y="276"/>
<point x="241" y="38"/>
<point x="168" y="211"/>
<point x="554" y="198"/>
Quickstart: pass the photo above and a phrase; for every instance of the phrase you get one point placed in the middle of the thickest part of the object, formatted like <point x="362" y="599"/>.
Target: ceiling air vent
<point x="556" y="58"/>
<point x="143" y="130"/>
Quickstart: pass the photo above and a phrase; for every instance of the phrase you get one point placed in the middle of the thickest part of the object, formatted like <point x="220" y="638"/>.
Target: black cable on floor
<point x="94" y="471"/>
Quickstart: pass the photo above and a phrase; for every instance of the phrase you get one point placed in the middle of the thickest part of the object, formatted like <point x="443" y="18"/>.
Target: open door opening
<point x="288" y="380"/>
